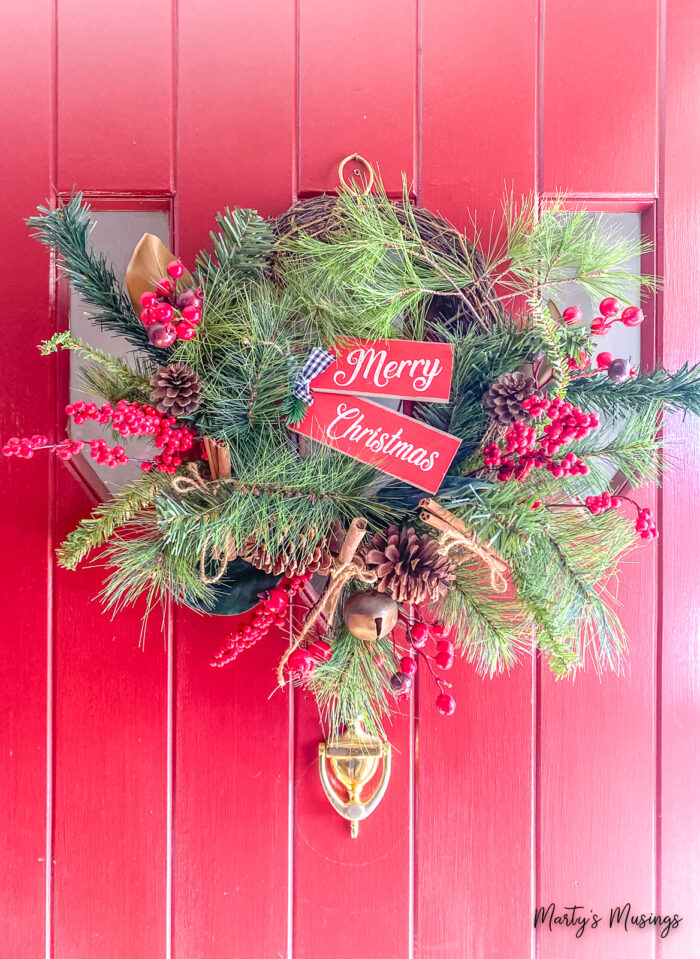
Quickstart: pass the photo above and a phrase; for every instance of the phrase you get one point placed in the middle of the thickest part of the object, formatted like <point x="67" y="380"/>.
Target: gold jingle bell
<point x="370" y="615"/>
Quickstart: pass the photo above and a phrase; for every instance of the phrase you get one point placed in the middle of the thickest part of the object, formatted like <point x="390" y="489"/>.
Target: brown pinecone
<point x="177" y="390"/>
<point x="258" y="556"/>
<point x="409" y="566"/>
<point x="504" y="398"/>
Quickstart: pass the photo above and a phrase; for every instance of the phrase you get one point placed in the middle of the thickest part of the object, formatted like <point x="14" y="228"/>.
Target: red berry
<point x="175" y="269"/>
<point x="572" y="314"/>
<point x="192" y="314"/>
<point x="609" y="306"/>
<point x="632" y="316"/>
<point x="163" y="312"/>
<point x="276" y="600"/>
<point x="165" y="286"/>
<point x="188" y="298"/>
<point x="185" y="330"/>
<point x="161" y="335"/>
<point x="321" y="650"/>
<point x="301" y="661"/>
<point x="401" y="682"/>
<point x="441" y="630"/>
<point x="148" y="299"/>
<point x="445" y="646"/>
<point x="600" y="326"/>
<point x="603" y="360"/>
<point x="445" y="704"/>
<point x="444" y="660"/>
<point x="408" y="665"/>
<point x="420" y="634"/>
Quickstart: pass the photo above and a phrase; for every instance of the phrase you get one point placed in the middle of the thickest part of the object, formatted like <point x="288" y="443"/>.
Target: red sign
<point x="404" y="369"/>
<point x="392" y="442"/>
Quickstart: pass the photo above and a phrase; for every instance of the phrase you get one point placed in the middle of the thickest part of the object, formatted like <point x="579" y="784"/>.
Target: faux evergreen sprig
<point x="66" y="229"/>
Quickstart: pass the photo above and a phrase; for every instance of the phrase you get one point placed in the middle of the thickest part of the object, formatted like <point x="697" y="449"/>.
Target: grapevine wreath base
<point x="514" y="537"/>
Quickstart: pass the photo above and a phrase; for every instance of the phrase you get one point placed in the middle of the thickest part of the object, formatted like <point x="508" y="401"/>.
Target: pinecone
<point x="504" y="398"/>
<point x="410" y="567"/>
<point x="176" y="390"/>
<point x="278" y="564"/>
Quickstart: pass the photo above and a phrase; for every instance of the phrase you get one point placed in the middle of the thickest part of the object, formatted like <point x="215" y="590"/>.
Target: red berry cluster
<point x="417" y="635"/>
<point x="271" y="611"/>
<point x="523" y="449"/>
<point x="602" y="503"/>
<point x="104" y="456"/>
<point x="136" y="419"/>
<point x="68" y="448"/>
<point x="611" y="312"/>
<point x="644" y="525"/>
<point x="169" y="315"/>
<point x="25" y="446"/>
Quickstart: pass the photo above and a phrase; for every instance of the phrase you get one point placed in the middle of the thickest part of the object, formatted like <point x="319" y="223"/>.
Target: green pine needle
<point x="66" y="229"/>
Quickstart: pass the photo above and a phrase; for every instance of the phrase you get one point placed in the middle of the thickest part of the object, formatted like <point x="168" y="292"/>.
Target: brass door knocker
<point x="354" y="757"/>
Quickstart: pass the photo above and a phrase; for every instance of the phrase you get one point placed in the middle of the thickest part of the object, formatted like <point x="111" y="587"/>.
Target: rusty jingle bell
<point x="370" y="615"/>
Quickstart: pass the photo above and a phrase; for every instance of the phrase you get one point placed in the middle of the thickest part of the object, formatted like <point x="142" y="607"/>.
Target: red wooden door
<point x="153" y="807"/>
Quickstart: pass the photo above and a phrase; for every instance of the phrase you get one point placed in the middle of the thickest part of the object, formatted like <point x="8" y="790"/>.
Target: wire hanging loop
<point x="356" y="158"/>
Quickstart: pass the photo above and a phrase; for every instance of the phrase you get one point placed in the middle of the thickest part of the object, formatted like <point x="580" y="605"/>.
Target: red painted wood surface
<point x="114" y="99"/>
<point x="599" y="104"/>
<point x="26" y="505"/>
<point x="235" y="142"/>
<point x="678" y="690"/>
<point x="357" y="75"/>
<point x="181" y="807"/>
<point x="474" y="825"/>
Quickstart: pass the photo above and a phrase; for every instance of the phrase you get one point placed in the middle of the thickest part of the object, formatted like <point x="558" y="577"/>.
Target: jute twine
<point x="346" y="568"/>
<point x="460" y="542"/>
<point x="191" y="483"/>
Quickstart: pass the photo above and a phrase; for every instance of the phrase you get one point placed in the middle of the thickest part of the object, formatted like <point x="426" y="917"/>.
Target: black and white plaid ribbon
<point x="316" y="362"/>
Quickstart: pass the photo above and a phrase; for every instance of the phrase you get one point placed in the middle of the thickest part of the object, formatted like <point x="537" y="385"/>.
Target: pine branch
<point x="677" y="392"/>
<point x="66" y="230"/>
<point x="142" y="563"/>
<point x="242" y="247"/>
<point x="373" y="275"/>
<point x="488" y="626"/>
<point x="480" y="357"/>
<point x="289" y="504"/>
<point x="110" y="377"/>
<point x="351" y="685"/>
<point x="553" y="342"/>
<point x="105" y="519"/>
<point x="538" y="250"/>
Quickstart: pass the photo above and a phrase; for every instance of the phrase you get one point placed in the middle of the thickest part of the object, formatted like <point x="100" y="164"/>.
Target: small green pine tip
<point x="295" y="411"/>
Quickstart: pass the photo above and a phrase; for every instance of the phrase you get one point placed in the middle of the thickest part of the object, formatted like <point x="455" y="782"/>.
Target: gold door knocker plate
<point x="354" y="757"/>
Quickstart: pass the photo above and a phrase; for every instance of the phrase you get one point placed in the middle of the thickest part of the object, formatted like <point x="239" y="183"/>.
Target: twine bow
<point x="347" y="567"/>
<point x="456" y="539"/>
<point x="316" y="362"/>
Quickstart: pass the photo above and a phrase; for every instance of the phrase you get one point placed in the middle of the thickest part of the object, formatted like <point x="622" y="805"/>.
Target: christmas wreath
<point x="528" y="444"/>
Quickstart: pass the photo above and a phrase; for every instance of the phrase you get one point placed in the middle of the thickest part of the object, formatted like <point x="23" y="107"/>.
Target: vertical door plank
<point x="600" y="91"/>
<point x="357" y="82"/>
<point x="357" y="94"/>
<point x="110" y="846"/>
<point x="474" y="769"/>
<point x="679" y="819"/>
<point x="354" y="893"/>
<point x="26" y="406"/>
<point x="597" y="756"/>
<point x="597" y="775"/>
<point x="235" y="146"/>
<point x="114" y="95"/>
<point x="236" y="97"/>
